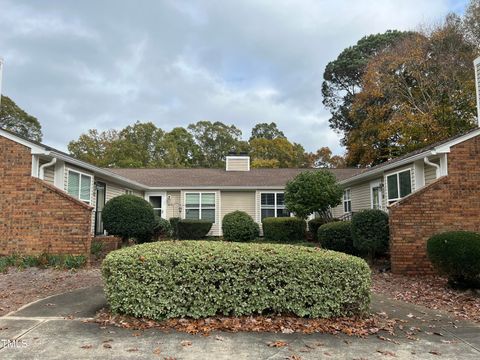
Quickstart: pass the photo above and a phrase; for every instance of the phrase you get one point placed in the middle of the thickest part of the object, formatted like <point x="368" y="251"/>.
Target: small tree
<point x="313" y="191"/>
<point x="129" y="216"/>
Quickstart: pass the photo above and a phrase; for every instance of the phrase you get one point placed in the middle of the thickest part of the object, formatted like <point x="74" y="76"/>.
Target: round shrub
<point x="239" y="226"/>
<point x="457" y="255"/>
<point x="370" y="232"/>
<point x="336" y="236"/>
<point x="162" y="228"/>
<point x="315" y="223"/>
<point x="129" y="216"/>
<point x="174" y="226"/>
<point x="193" y="229"/>
<point x="172" y="279"/>
<point x="284" y="229"/>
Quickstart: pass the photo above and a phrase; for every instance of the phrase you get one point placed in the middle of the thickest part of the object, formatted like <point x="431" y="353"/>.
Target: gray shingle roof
<point x="178" y="178"/>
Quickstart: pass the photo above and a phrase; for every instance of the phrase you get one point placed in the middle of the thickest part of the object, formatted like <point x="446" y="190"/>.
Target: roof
<point x="210" y="178"/>
<point x="414" y="155"/>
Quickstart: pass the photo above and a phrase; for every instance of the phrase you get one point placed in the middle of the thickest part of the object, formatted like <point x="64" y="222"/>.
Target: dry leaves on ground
<point x="278" y="324"/>
<point x="19" y="287"/>
<point x="429" y="291"/>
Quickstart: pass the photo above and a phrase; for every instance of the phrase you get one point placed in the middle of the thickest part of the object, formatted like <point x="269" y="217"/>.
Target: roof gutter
<point x="41" y="170"/>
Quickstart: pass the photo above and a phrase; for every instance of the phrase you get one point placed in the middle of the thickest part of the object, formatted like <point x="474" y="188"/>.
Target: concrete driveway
<point x="57" y="328"/>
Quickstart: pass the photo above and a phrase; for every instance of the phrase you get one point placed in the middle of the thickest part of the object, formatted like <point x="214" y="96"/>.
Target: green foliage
<point x="457" y="255"/>
<point x="14" y="119"/>
<point x="266" y="131"/>
<point x="370" y="232"/>
<point x="96" y="248"/>
<point x="315" y="223"/>
<point x="337" y="236"/>
<point x="129" y="216"/>
<point x="193" y="229"/>
<point x="174" y="225"/>
<point x="162" y="227"/>
<point x="312" y="191"/>
<point x="284" y="229"/>
<point x="199" y="279"/>
<point x="239" y="226"/>
<point x="60" y="261"/>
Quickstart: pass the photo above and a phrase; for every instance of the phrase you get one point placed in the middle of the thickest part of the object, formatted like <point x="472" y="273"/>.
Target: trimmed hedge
<point x="284" y="229"/>
<point x="457" y="255"/>
<point x="129" y="216"/>
<point x="193" y="229"/>
<point x="206" y="278"/>
<point x="315" y="223"/>
<point x="337" y="236"/>
<point x="174" y="225"/>
<point x="370" y="232"/>
<point x="239" y="226"/>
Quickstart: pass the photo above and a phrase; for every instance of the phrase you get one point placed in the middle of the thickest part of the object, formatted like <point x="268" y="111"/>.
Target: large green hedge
<point x="193" y="229"/>
<point x="370" y="232"/>
<point x="284" y="229"/>
<point x="337" y="236"/>
<point x="457" y="255"/>
<point x="315" y="223"/>
<point x="239" y="226"/>
<point x="205" y="278"/>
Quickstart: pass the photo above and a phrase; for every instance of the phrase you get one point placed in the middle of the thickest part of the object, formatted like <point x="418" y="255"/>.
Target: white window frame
<point x="80" y="173"/>
<point x="397" y="174"/>
<point x="200" y="193"/>
<point x="346" y="200"/>
<point x="276" y="207"/>
<point x="373" y="185"/>
<point x="128" y="192"/>
<point x="163" y="194"/>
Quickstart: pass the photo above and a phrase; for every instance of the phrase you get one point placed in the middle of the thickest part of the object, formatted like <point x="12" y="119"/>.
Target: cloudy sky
<point x="77" y="65"/>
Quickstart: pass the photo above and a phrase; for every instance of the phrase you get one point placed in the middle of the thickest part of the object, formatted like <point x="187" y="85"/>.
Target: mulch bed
<point x="278" y="324"/>
<point x="432" y="292"/>
<point x="19" y="287"/>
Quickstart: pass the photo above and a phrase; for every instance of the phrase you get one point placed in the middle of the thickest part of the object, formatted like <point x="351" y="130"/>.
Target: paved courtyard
<point x="58" y="327"/>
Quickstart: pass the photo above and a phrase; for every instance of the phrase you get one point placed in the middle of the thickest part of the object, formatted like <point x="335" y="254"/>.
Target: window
<point x="399" y="185"/>
<point x="273" y="205"/>
<point x="156" y="202"/>
<point x="347" y="201"/>
<point x="128" y="192"/>
<point x="79" y="186"/>
<point x="200" y="206"/>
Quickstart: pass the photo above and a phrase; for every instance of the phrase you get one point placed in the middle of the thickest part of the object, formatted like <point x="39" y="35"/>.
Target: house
<point x="52" y="202"/>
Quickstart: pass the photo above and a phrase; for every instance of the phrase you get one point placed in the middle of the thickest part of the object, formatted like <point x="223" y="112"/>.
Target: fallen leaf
<point x="132" y="349"/>
<point x="434" y="352"/>
<point x="186" y="343"/>
<point x="107" y="346"/>
<point x="87" y="346"/>
<point x="277" y="344"/>
<point x="387" y="353"/>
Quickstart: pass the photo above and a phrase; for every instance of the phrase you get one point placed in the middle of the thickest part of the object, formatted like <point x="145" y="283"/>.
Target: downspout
<point x="41" y="170"/>
<point x="436" y="166"/>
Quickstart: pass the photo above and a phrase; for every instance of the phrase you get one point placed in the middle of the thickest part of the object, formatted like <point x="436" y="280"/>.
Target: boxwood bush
<point x="193" y="229"/>
<point x="174" y="225"/>
<point x="315" y="223"/>
<point x="284" y="229"/>
<point x="457" y="255"/>
<point x="337" y="236"/>
<point x="370" y="232"/>
<point x="205" y="278"/>
<point x="239" y="226"/>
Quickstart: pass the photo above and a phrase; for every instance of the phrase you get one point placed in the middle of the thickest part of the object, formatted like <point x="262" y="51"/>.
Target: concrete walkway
<point x="57" y="328"/>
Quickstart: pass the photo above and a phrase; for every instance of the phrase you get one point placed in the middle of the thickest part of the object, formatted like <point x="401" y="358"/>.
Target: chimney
<point x="238" y="162"/>
<point x="476" y="64"/>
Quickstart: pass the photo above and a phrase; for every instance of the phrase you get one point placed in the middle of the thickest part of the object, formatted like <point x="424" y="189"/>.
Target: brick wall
<point x="36" y="217"/>
<point x="450" y="203"/>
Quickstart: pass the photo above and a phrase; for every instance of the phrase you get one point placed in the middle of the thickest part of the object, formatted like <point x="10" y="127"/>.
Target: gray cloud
<point x="100" y="64"/>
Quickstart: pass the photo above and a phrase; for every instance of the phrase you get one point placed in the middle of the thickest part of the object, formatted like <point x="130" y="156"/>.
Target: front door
<point x="101" y="196"/>
<point x="377" y="196"/>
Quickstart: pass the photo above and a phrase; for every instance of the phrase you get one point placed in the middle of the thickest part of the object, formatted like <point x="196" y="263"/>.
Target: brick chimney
<point x="237" y="162"/>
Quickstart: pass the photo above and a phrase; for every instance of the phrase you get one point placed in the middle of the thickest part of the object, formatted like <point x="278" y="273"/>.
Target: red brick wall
<point x="450" y="203"/>
<point x="36" y="217"/>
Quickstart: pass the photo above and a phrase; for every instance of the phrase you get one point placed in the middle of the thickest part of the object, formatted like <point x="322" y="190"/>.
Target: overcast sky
<point x="77" y="65"/>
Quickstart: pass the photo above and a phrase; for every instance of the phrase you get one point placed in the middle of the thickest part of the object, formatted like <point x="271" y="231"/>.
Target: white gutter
<point x="436" y="166"/>
<point x="41" y="169"/>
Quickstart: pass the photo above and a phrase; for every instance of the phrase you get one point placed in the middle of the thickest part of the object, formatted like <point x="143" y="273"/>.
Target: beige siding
<point x="360" y="195"/>
<point x="238" y="200"/>
<point x="49" y="172"/>
<point x="174" y="204"/>
<point x="431" y="172"/>
<point x="337" y="211"/>
<point x="238" y="164"/>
